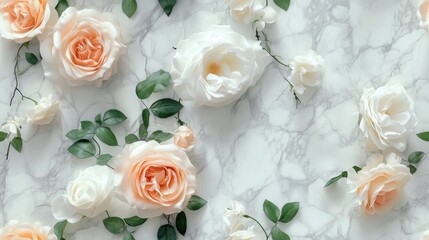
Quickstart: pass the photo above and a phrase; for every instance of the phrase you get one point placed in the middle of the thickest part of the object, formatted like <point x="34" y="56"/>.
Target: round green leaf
<point x="135" y="221"/>
<point x="129" y="7"/>
<point x="106" y="136"/>
<point x="271" y="211"/>
<point x="166" y="232"/>
<point x="82" y="149"/>
<point x="31" y="58"/>
<point x="114" y="225"/>
<point x="165" y="107"/>
<point x="113" y="117"/>
<point x="289" y="211"/>
<point x="196" y="202"/>
<point x="17" y="143"/>
<point x="103" y="159"/>
<point x="160" y="136"/>
<point x="145" y="88"/>
<point x="283" y="4"/>
<point x="278" y="234"/>
<point x="167" y="5"/>
<point x="181" y="223"/>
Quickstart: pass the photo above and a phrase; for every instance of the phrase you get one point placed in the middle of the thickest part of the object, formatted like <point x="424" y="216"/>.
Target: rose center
<point x="213" y="68"/>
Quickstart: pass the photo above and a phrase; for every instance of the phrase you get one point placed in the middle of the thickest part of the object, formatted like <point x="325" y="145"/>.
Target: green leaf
<point x="129" y="236"/>
<point x="412" y="169"/>
<point x="17" y="143"/>
<point x="283" y="4"/>
<point x="106" y="136"/>
<point x="129" y="7"/>
<point x="131" y="138"/>
<point x="145" y="88"/>
<point x="416" y="157"/>
<point x="335" y="179"/>
<point x="165" y="107"/>
<point x="98" y="119"/>
<point x="59" y="229"/>
<point x="196" y="203"/>
<point x="162" y="79"/>
<point x="143" y="132"/>
<point x="31" y="58"/>
<point x="356" y="168"/>
<point x="167" y="5"/>
<point x="424" y="136"/>
<point x="114" y="225"/>
<point x="103" y="159"/>
<point x="3" y="136"/>
<point x="145" y="117"/>
<point x="271" y="211"/>
<point x="166" y="232"/>
<point x="113" y="117"/>
<point x="82" y="149"/>
<point x="160" y="136"/>
<point x="76" y="134"/>
<point x="61" y="6"/>
<point x="26" y="44"/>
<point x="181" y="223"/>
<point x="135" y="221"/>
<point x="86" y="125"/>
<point x="289" y="211"/>
<point x="278" y="234"/>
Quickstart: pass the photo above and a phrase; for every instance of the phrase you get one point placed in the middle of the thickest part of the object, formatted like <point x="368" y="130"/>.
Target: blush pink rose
<point x="19" y="231"/>
<point x="423" y="13"/>
<point x="184" y="138"/>
<point x="155" y="179"/>
<point x="22" y="20"/>
<point x="84" y="48"/>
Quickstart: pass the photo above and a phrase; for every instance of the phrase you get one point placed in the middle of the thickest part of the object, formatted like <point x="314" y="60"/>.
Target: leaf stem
<point x="108" y="215"/>
<point x="98" y="145"/>
<point x="168" y="218"/>
<point x="260" y="225"/>
<point x="8" y="150"/>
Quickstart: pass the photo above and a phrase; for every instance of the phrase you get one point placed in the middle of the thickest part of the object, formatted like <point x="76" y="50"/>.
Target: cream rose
<point x="184" y="138"/>
<point x="84" y="48"/>
<point x="245" y="234"/>
<point x="155" y="179"/>
<point x="251" y="11"/>
<point x="43" y="112"/>
<point x="22" y="20"/>
<point x="379" y="184"/>
<point x="15" y="230"/>
<point x="12" y="126"/>
<point x="88" y="195"/>
<point x="307" y="71"/>
<point x="423" y="13"/>
<point x="387" y="117"/>
<point x="217" y="66"/>
<point x="233" y="215"/>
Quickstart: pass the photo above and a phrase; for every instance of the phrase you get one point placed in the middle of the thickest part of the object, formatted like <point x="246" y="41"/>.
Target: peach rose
<point x="379" y="184"/>
<point x="155" y="178"/>
<point x="184" y="138"/>
<point x="423" y="13"/>
<point x="22" y="20"/>
<point x="19" y="231"/>
<point x="84" y="48"/>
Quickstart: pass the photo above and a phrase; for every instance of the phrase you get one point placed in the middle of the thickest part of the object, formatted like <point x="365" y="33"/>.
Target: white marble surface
<point x="260" y="147"/>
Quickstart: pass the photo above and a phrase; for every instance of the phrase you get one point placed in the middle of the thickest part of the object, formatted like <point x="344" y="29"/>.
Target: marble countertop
<point x="259" y="147"/>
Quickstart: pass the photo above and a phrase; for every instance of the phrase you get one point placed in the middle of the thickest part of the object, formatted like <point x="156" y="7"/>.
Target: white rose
<point x="378" y="186"/>
<point x="12" y="126"/>
<point x="423" y="13"/>
<point x="84" y="48"/>
<point x="387" y="117"/>
<point x="266" y="16"/>
<point x="307" y="71"/>
<point x="15" y="230"/>
<point x="88" y="195"/>
<point x="247" y="234"/>
<point x="43" y="112"/>
<point x="217" y="66"/>
<point x="22" y="20"/>
<point x="232" y="217"/>
<point x="184" y="138"/>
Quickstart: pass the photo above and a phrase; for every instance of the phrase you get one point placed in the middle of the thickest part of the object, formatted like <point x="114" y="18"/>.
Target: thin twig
<point x="260" y="225"/>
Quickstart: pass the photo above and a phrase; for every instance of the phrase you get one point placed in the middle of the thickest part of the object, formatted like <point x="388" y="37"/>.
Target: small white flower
<point x="88" y="195"/>
<point x="387" y="117"/>
<point x="12" y="126"/>
<point x="232" y="217"/>
<point x="43" y="112"/>
<point x="266" y="16"/>
<point x="246" y="234"/>
<point x="307" y="71"/>
<point x="252" y="11"/>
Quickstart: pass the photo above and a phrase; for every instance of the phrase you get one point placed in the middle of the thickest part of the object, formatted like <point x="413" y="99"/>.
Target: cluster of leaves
<point x="16" y="142"/>
<point x="129" y="7"/>
<point x="117" y="225"/>
<point x="275" y="215"/>
<point x="84" y="145"/>
<point x="162" y="108"/>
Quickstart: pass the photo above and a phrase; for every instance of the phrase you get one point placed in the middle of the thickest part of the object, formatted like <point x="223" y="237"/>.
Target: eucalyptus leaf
<point x="114" y="225"/>
<point x="146" y="117"/>
<point x="3" y="136"/>
<point x="289" y="211"/>
<point x="196" y="202"/>
<point x="278" y="234"/>
<point x="135" y="221"/>
<point x="82" y="149"/>
<point x="31" y="58"/>
<point x="143" y="132"/>
<point x="113" y="117"/>
<point x="335" y="179"/>
<point x="103" y="159"/>
<point x="424" y="136"/>
<point x="59" y="229"/>
<point x="283" y="4"/>
<point x="416" y="157"/>
<point x="160" y="136"/>
<point x="166" y="232"/>
<point x="181" y="223"/>
<point x="165" y="107"/>
<point x="271" y="211"/>
<point x="129" y="7"/>
<point x="106" y="135"/>
<point x="167" y="5"/>
<point x="61" y="6"/>
<point x="17" y="143"/>
<point x="131" y="138"/>
<point x="128" y="236"/>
